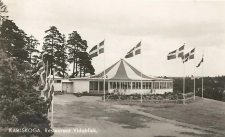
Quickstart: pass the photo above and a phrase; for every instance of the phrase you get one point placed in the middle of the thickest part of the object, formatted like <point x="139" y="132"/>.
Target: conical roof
<point x="122" y="70"/>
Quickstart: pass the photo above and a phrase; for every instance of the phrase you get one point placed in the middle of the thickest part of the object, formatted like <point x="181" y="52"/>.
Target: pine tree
<point x="52" y="41"/>
<point x="85" y="64"/>
<point x="13" y="42"/>
<point x="31" y="47"/>
<point x="61" y="57"/>
<point x="3" y="10"/>
<point x="75" y="45"/>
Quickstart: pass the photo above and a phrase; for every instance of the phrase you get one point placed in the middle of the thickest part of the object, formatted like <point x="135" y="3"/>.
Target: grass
<point x="203" y="112"/>
<point x="77" y="112"/>
<point x="197" y="135"/>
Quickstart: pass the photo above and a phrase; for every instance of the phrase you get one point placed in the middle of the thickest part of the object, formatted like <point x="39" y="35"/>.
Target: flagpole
<point x="141" y="76"/>
<point x="184" y="86"/>
<point x="194" y="78"/>
<point x="104" y="71"/>
<point x="202" y="74"/>
<point x="52" y="100"/>
<point x="184" y="83"/>
<point x="46" y="78"/>
<point x="49" y="93"/>
<point x="53" y="72"/>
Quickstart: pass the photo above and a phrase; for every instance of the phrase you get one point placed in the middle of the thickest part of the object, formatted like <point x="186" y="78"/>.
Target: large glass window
<point x="169" y="85"/>
<point x="160" y="85"/>
<point x="146" y="86"/>
<point x="136" y="85"/>
<point x="156" y="85"/>
<point x="129" y="85"/>
<point x="139" y="85"/>
<point x="118" y="85"/>
<point x="133" y="85"/>
<point x="110" y="85"/>
<point x="149" y="85"/>
<point x="164" y="85"/>
<point x="95" y="85"/>
<point x="114" y="85"/>
<point x="125" y="85"/>
<point x="91" y="85"/>
<point x="100" y="85"/>
<point x="143" y="83"/>
<point x="122" y="85"/>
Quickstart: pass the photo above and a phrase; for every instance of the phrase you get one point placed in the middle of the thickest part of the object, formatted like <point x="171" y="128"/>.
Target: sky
<point x="162" y="26"/>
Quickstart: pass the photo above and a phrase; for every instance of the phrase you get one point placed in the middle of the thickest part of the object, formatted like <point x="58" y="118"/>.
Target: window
<point x="125" y="85"/>
<point x="129" y="85"/>
<point x="100" y="85"/>
<point x="58" y="81"/>
<point x="149" y="85"/>
<point x="139" y="85"/>
<point x="156" y="85"/>
<point x="143" y="84"/>
<point x="160" y="85"/>
<point x="169" y="85"/>
<point x="118" y="85"/>
<point x="91" y="85"/>
<point x="114" y="85"/>
<point x="146" y="85"/>
<point x="136" y="85"/>
<point x="122" y="85"/>
<point x="133" y="85"/>
<point x="111" y="85"/>
<point x="95" y="85"/>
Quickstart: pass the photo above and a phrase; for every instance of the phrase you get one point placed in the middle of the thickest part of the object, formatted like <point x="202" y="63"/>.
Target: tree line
<point x="20" y="104"/>
<point x="63" y="52"/>
<point x="57" y="51"/>
<point x="214" y="87"/>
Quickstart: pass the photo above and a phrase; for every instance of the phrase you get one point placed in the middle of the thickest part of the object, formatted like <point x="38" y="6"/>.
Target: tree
<point x="13" y="42"/>
<point x="20" y="106"/>
<point x="52" y="41"/>
<point x="31" y="47"/>
<point x="3" y="10"/>
<point x="75" y="45"/>
<point x="61" y="57"/>
<point x="85" y="64"/>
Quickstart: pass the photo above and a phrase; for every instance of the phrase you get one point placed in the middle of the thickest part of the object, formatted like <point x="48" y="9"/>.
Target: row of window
<point x="94" y="85"/>
<point x="137" y="85"/>
<point x="131" y="85"/>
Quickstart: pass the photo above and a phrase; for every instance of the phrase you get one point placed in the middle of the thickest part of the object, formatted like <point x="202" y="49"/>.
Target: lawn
<point x="203" y="112"/>
<point x="119" y="118"/>
<point x="78" y="112"/>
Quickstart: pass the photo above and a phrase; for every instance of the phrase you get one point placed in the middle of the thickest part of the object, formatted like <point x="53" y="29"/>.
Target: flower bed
<point x="167" y="97"/>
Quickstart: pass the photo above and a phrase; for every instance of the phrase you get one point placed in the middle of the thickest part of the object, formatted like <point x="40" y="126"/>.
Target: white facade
<point x="57" y="82"/>
<point x="80" y="85"/>
<point x="120" y="78"/>
<point x="67" y="86"/>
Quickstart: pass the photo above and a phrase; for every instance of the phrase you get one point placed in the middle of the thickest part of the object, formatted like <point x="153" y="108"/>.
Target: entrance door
<point x="67" y="87"/>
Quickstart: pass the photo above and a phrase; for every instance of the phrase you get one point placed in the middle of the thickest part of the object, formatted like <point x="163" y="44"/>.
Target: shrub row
<point x="166" y="96"/>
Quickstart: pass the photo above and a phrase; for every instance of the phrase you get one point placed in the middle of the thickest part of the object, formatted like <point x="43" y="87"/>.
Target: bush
<point x="20" y="105"/>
